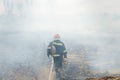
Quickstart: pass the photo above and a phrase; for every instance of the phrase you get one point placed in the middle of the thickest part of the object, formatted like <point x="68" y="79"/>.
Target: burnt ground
<point x="77" y="69"/>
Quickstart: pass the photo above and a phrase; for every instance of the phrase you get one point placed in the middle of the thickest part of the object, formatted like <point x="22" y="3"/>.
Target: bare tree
<point x="19" y="6"/>
<point x="8" y="5"/>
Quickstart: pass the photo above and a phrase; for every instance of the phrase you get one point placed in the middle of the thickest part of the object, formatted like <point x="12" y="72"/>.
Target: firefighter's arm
<point x="65" y="52"/>
<point x="48" y="50"/>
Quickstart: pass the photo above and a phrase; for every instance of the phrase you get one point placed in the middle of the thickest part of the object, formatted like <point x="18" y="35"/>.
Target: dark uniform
<point x="59" y="55"/>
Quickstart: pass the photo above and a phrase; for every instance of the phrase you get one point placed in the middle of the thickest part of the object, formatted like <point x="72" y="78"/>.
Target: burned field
<point x="77" y="68"/>
<point x="75" y="71"/>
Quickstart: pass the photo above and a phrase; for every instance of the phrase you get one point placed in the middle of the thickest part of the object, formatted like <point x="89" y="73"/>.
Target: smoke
<point x="26" y="28"/>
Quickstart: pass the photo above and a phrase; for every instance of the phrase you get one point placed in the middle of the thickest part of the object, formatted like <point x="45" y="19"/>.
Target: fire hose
<point x="51" y="74"/>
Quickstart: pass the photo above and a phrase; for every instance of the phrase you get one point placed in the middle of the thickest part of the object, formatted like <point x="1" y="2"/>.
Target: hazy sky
<point x="79" y="16"/>
<point x="86" y="17"/>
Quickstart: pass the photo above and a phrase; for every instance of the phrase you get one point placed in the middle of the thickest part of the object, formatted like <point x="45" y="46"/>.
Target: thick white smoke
<point x="27" y="26"/>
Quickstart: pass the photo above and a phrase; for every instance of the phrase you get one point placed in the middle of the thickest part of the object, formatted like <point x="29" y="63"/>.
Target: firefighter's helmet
<point x="57" y="36"/>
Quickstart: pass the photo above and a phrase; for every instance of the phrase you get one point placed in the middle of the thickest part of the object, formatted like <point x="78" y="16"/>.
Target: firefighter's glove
<point x="65" y="59"/>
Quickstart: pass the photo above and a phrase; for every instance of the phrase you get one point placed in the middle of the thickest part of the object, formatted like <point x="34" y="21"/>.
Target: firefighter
<point x="57" y="50"/>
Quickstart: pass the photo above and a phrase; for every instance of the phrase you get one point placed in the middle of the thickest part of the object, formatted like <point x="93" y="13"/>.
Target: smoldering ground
<point x="91" y="35"/>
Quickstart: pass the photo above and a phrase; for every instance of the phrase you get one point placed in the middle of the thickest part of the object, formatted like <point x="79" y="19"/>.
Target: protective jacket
<point x="60" y="48"/>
